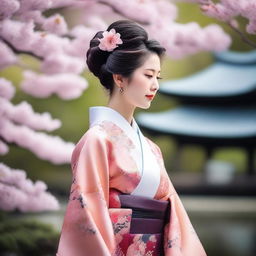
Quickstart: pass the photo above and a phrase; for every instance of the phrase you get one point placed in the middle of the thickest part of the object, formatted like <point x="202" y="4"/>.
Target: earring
<point x="121" y="89"/>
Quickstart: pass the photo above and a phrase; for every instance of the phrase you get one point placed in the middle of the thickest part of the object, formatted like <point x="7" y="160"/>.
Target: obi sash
<point x="141" y="225"/>
<point x="148" y="215"/>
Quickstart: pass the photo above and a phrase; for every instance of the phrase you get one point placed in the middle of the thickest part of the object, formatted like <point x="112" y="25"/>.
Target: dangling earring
<point x="121" y="89"/>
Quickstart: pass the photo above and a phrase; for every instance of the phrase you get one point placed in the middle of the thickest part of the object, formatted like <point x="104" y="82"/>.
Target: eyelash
<point x="152" y="76"/>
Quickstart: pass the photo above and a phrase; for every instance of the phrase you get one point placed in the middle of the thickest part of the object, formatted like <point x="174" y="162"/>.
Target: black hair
<point x="124" y="59"/>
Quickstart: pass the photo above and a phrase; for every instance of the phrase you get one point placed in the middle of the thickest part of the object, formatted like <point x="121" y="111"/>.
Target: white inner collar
<point x="97" y="114"/>
<point x="150" y="179"/>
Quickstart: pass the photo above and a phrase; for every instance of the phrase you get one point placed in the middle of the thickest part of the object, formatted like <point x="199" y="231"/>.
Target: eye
<point x="152" y="76"/>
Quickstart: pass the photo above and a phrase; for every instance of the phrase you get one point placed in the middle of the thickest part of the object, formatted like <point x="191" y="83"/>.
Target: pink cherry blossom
<point x="31" y="5"/>
<point x="7" y="90"/>
<point x="36" y="16"/>
<point x="23" y="113"/>
<point x="110" y="40"/>
<point x="55" y="24"/>
<point x="4" y="149"/>
<point x="46" y="43"/>
<point x="8" y="8"/>
<point x="21" y="35"/>
<point x="44" y="146"/>
<point x="228" y="10"/>
<point x="82" y="35"/>
<point x="62" y="63"/>
<point x="7" y="56"/>
<point x="18" y="192"/>
<point x="251" y="27"/>
<point x="66" y="3"/>
<point x="66" y="85"/>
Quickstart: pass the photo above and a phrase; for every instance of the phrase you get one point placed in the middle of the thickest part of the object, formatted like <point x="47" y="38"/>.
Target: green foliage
<point x="26" y="237"/>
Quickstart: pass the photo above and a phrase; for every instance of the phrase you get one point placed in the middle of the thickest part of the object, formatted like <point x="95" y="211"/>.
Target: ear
<point x="118" y="79"/>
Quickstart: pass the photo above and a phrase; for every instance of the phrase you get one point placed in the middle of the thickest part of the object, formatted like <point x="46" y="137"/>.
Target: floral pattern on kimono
<point x="94" y="224"/>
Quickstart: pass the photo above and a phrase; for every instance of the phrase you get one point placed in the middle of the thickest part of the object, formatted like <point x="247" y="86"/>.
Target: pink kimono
<point x="114" y="157"/>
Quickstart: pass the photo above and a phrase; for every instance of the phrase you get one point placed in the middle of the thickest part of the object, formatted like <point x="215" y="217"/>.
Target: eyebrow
<point x="153" y="69"/>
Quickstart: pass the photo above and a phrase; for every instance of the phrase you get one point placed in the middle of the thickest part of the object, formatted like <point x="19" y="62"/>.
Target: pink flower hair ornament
<point x="110" y="40"/>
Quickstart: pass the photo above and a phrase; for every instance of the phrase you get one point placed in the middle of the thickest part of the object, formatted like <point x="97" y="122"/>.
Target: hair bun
<point x="105" y="76"/>
<point x="94" y="53"/>
<point x="125" y="58"/>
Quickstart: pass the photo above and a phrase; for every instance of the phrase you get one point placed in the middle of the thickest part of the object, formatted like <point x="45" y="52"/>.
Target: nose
<point x="155" y="86"/>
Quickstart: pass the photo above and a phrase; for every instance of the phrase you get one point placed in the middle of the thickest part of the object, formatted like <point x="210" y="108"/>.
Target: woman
<point x="122" y="201"/>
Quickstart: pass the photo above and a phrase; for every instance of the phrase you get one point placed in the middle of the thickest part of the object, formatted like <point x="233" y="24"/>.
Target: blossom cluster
<point x="229" y="10"/>
<point x="58" y="44"/>
<point x="19" y="193"/>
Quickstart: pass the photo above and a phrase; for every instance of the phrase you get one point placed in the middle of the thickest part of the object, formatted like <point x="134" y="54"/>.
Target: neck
<point x="124" y="109"/>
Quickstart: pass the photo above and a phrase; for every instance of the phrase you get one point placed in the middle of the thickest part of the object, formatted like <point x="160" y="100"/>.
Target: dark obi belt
<point x="148" y="215"/>
<point x="146" y="233"/>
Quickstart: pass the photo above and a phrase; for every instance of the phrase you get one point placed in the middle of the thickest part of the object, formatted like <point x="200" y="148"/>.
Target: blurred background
<point x="213" y="169"/>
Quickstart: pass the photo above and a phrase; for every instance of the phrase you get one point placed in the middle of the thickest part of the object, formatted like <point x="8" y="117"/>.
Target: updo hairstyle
<point x="125" y="58"/>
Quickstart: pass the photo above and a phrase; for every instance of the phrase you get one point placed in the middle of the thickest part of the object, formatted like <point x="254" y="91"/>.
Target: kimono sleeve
<point x="180" y="237"/>
<point x="87" y="228"/>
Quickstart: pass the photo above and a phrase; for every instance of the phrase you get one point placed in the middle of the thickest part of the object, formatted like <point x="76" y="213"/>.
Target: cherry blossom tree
<point x="228" y="11"/>
<point x="56" y="33"/>
<point x="18" y="192"/>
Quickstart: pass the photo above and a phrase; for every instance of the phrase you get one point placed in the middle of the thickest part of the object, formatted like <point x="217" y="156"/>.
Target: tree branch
<point x="243" y="36"/>
<point x="20" y="51"/>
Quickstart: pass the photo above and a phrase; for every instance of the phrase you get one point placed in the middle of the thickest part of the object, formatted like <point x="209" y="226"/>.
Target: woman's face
<point x="144" y="82"/>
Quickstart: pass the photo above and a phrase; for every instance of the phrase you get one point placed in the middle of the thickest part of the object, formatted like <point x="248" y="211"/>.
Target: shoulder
<point x="93" y="134"/>
<point x="93" y="137"/>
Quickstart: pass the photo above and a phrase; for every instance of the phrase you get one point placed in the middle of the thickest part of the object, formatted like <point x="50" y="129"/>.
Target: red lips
<point x="151" y="96"/>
